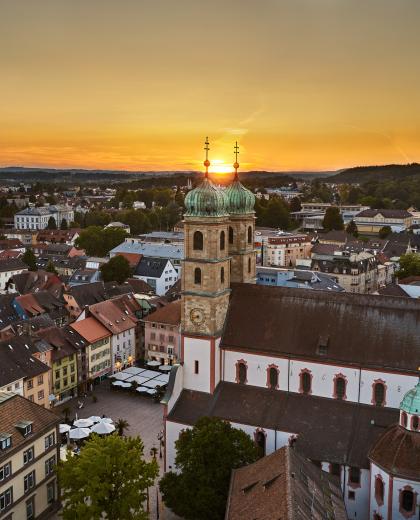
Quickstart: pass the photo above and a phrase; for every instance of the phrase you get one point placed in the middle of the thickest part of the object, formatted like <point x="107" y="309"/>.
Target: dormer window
<point x="25" y="427"/>
<point x="5" y="441"/>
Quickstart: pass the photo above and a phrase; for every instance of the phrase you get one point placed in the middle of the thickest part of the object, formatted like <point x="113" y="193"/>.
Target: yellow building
<point x="28" y="455"/>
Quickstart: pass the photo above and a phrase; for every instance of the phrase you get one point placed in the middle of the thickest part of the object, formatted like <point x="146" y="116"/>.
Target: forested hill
<point x="388" y="172"/>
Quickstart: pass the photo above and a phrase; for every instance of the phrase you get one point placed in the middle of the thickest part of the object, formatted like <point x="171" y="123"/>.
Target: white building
<point x="8" y="268"/>
<point x="37" y="218"/>
<point x="159" y="273"/>
<point x="172" y="252"/>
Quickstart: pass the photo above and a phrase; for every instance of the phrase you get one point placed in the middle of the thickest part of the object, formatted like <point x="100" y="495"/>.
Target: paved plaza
<point x="144" y="415"/>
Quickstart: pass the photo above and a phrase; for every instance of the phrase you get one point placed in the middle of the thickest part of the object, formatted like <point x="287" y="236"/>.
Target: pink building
<point x="162" y="336"/>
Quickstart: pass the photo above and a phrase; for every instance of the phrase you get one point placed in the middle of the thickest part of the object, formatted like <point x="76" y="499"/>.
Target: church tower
<point x="205" y="282"/>
<point x="241" y="229"/>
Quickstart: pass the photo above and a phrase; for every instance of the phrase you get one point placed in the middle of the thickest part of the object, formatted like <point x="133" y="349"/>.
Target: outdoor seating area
<point x="81" y="429"/>
<point x="142" y="380"/>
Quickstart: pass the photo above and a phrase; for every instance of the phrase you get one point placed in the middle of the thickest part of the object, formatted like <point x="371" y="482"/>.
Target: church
<point x="335" y="375"/>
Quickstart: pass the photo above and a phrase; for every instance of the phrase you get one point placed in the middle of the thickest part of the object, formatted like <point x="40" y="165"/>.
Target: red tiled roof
<point x="91" y="329"/>
<point x="169" y="314"/>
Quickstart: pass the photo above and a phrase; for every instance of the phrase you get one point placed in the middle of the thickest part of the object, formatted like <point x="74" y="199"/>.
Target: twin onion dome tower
<point x="207" y="200"/>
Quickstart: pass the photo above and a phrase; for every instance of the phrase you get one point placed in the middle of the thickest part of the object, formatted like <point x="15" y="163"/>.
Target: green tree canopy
<point x="50" y="267"/>
<point x="52" y="224"/>
<point x="110" y="476"/>
<point x="351" y="228"/>
<point x="384" y="231"/>
<point x="64" y="224"/>
<point x="98" y="242"/>
<point x="29" y="259"/>
<point x="206" y="455"/>
<point x="295" y="204"/>
<point x="333" y="219"/>
<point x="117" y="269"/>
<point x="409" y="265"/>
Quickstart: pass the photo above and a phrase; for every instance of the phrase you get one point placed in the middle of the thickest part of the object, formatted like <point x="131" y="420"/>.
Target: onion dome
<point x="206" y="201"/>
<point x="240" y="200"/>
<point x="411" y="401"/>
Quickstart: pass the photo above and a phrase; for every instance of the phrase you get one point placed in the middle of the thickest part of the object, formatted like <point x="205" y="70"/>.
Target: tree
<point x="295" y="204"/>
<point x="64" y="224"/>
<point x="409" y="265"/>
<point x="29" y="259"/>
<point x="50" y="267"/>
<point x="109" y="477"/>
<point x="98" y="242"/>
<point x="117" y="269"/>
<point x="384" y="231"/>
<point x="206" y="455"/>
<point x="121" y="425"/>
<point x="333" y="219"/>
<point x="351" y="228"/>
<point x="52" y="224"/>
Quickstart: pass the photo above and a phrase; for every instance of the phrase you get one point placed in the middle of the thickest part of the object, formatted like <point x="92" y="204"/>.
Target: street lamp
<point x="118" y="365"/>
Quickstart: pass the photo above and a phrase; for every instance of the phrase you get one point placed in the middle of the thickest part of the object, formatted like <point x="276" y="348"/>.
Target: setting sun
<point x="219" y="166"/>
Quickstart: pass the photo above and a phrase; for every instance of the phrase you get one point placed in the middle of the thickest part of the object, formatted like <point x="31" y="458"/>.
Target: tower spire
<point x="236" y="164"/>
<point x="207" y="162"/>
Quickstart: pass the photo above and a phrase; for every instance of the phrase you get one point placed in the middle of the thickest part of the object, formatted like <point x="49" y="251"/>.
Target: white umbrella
<point x="79" y="433"/>
<point x="125" y="385"/>
<point x="117" y="383"/>
<point x="83" y="423"/>
<point x="165" y="368"/>
<point x="94" y="418"/>
<point x="64" y="428"/>
<point x="141" y="390"/>
<point x="103" y="428"/>
<point x="153" y="363"/>
<point x="106" y="420"/>
<point x="152" y="391"/>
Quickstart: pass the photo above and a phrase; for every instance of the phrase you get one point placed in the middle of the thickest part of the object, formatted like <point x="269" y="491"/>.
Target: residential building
<point x="37" y="218"/>
<point x="162" y="337"/>
<point x="35" y="281"/>
<point x="8" y="268"/>
<point x="29" y="452"/>
<point x="372" y="220"/>
<point x="98" y="348"/>
<point x="283" y="249"/>
<point x="158" y="237"/>
<point x="280" y="484"/>
<point x="298" y="278"/>
<point x="159" y="273"/>
<point x="58" y="236"/>
<point x="84" y="276"/>
<point x="42" y="302"/>
<point x="172" y="252"/>
<point x="79" y="296"/>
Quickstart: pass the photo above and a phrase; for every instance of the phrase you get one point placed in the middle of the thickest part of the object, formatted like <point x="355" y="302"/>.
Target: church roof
<point x="240" y="200"/>
<point x="361" y="330"/>
<point x="330" y="430"/>
<point x="206" y="201"/>
<point x="411" y="401"/>
<point x="397" y="451"/>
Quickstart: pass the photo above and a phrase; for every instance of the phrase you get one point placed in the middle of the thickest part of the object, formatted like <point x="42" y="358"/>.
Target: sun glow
<point x="219" y="166"/>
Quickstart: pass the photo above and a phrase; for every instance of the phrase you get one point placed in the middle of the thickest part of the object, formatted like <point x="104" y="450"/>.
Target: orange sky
<point x="138" y="84"/>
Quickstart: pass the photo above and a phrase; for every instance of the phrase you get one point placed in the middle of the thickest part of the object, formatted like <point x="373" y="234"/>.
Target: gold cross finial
<point x="207" y="162"/>
<point x="236" y="164"/>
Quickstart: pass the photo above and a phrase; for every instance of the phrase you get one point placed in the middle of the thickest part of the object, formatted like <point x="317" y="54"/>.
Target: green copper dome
<point x="206" y="201"/>
<point x="240" y="199"/>
<point x="411" y="401"/>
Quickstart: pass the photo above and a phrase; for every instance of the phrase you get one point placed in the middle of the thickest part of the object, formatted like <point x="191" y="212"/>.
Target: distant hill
<point x="388" y="172"/>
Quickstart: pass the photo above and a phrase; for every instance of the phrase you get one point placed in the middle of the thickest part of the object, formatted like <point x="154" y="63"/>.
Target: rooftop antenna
<point x="236" y="164"/>
<point x="207" y="162"/>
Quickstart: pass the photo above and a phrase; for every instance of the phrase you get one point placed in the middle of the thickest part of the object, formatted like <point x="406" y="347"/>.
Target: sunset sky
<point x="138" y="84"/>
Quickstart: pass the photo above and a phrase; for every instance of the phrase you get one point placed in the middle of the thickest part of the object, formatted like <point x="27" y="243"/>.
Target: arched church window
<point x="230" y="235"/>
<point x="379" y="490"/>
<point x="249" y="265"/>
<point x="305" y="382"/>
<point x="242" y="373"/>
<point x="379" y="394"/>
<point x="249" y="235"/>
<point x="197" y="276"/>
<point x="222" y="275"/>
<point x="260" y="442"/>
<point x="414" y="423"/>
<point x="222" y="241"/>
<point x="407" y="500"/>
<point x="273" y="378"/>
<point x="198" y="241"/>
<point x="404" y="419"/>
<point x="340" y="388"/>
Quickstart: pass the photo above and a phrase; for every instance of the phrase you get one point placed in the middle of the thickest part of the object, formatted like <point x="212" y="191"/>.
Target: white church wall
<point x="356" y="497"/>
<point x="177" y="387"/>
<point x="396" y="386"/>
<point x="217" y="362"/>
<point x="376" y="507"/>
<point x="173" y="430"/>
<point x="197" y="349"/>
<point x="398" y="486"/>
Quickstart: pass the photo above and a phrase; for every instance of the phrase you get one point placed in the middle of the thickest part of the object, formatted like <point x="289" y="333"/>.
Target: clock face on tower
<point x="197" y="316"/>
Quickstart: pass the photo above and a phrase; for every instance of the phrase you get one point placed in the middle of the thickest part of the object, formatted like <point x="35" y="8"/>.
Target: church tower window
<point x="230" y="235"/>
<point x="305" y="382"/>
<point x="241" y="372"/>
<point x="198" y="241"/>
<point x="260" y="442"/>
<point x="378" y="393"/>
<point x="222" y="275"/>
<point x="340" y="387"/>
<point x="415" y="423"/>
<point x="404" y="419"/>
<point x="406" y="501"/>
<point x="222" y="241"/>
<point x="379" y="490"/>
<point x="197" y="276"/>
<point x="273" y="377"/>
<point x="249" y="265"/>
<point x="249" y="235"/>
